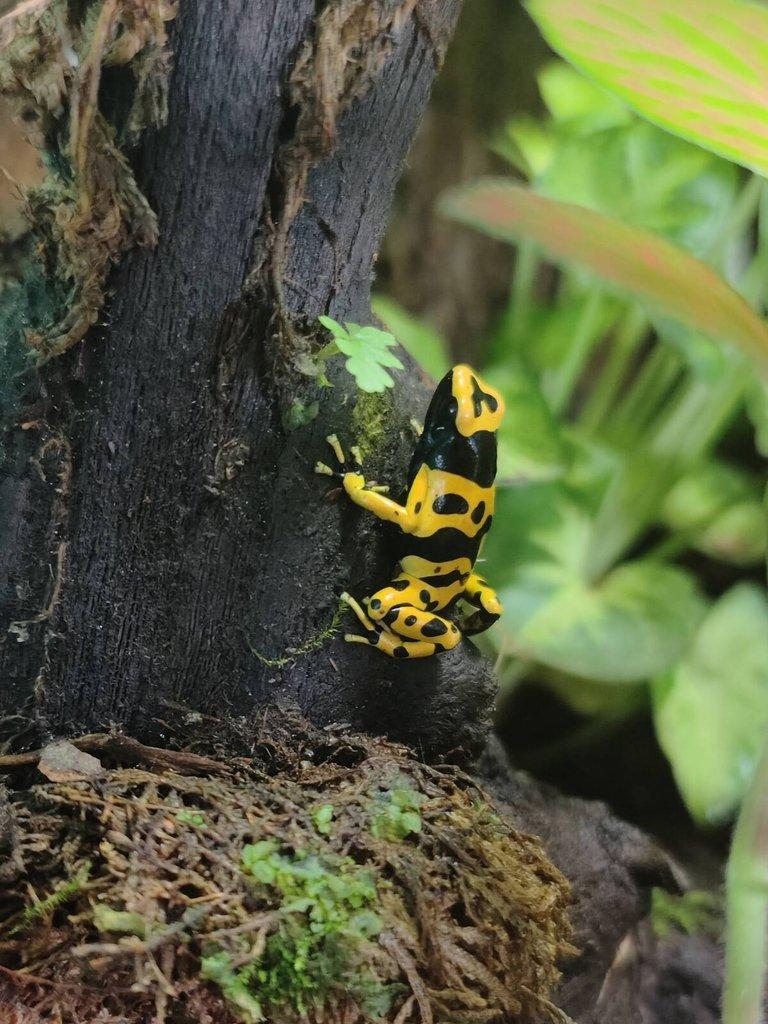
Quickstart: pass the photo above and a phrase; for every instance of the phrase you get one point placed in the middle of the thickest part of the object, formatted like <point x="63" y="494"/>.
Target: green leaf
<point x="529" y="441"/>
<point x="575" y="100"/>
<point x="646" y="178"/>
<point x="718" y="509"/>
<point x="322" y="818"/>
<point x="648" y="266"/>
<point x="711" y="710"/>
<point x="367" y="351"/>
<point x="527" y="144"/>
<point x="299" y="414"/>
<point x="419" y="340"/>
<point x="632" y="624"/>
<point x="619" y="628"/>
<point x="123" y="922"/>
<point x="698" y="68"/>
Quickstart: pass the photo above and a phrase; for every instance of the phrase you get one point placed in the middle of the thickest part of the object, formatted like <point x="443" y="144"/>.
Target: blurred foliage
<point x="612" y="484"/>
<point x="697" y="69"/>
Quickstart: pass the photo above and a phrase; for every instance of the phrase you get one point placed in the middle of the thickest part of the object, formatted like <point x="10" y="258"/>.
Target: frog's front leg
<point x="486" y="606"/>
<point x="405" y="516"/>
<point x="371" y="499"/>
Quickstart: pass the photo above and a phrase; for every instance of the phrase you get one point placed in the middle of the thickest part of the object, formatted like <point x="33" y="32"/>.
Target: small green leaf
<point x="648" y="266"/>
<point x="711" y="709"/>
<point x="217" y="968"/>
<point x="322" y="818"/>
<point x="718" y="510"/>
<point x="122" y="921"/>
<point x="299" y="414"/>
<point x="697" y="69"/>
<point x="333" y="326"/>
<point x="367" y="351"/>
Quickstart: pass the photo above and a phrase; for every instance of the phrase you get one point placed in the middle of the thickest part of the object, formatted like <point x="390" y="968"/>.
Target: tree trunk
<point x="166" y="544"/>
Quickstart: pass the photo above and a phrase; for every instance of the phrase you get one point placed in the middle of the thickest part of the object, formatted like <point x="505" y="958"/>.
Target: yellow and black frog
<point x="448" y="511"/>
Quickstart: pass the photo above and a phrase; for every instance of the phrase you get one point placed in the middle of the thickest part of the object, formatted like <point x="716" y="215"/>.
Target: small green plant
<point x="187" y="817"/>
<point x="367" y="351"/>
<point x="397" y="814"/>
<point x="49" y="904"/>
<point x="326" y="907"/>
<point x="322" y="819"/>
<point x="300" y="414"/>
<point x="696" y="912"/>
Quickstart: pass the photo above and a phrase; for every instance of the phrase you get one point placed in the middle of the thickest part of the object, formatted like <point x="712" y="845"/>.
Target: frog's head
<point x="463" y="404"/>
<point x="460" y="428"/>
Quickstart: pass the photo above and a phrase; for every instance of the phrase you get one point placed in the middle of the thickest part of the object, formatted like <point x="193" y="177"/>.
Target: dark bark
<point x="139" y="572"/>
<point x="623" y="973"/>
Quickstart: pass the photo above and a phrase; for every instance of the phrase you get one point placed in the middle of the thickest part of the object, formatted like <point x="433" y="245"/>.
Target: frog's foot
<point x="482" y="606"/>
<point x="395" y="646"/>
<point x="324" y="470"/>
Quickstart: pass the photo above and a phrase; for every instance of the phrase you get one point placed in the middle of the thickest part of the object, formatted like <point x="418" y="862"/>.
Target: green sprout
<point x="367" y="351"/>
<point x="399" y="815"/>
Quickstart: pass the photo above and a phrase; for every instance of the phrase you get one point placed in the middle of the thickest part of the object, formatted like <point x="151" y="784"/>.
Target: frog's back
<point x="457" y="454"/>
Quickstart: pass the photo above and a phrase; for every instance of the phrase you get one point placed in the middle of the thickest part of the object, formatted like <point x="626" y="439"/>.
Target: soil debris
<point x="355" y="884"/>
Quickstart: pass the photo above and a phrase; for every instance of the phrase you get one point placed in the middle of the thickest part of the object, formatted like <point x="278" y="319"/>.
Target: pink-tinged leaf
<point x="653" y="269"/>
<point x="698" y="68"/>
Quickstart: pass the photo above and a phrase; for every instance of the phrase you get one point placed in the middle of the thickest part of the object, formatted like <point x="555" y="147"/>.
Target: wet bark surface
<point x="165" y="540"/>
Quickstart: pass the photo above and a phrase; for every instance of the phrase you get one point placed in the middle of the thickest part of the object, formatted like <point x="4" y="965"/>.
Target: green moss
<point x="65" y="892"/>
<point x="27" y="303"/>
<point x="697" y="912"/>
<point x="312" y="643"/>
<point x="371" y="421"/>
<point x="326" y="918"/>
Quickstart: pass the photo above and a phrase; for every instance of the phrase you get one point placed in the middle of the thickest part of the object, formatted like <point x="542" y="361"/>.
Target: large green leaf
<point x="718" y="509"/>
<point x="698" y="68"/>
<point x="631" y="624"/>
<point x="653" y="269"/>
<point x="711" y="710"/>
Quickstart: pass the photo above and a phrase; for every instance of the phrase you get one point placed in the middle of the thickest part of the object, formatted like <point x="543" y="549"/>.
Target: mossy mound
<point x="356" y="885"/>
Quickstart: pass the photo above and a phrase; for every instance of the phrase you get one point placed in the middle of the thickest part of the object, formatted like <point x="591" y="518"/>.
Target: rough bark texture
<point x="161" y="525"/>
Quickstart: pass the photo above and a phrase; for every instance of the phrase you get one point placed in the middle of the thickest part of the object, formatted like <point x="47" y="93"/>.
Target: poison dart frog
<point x="447" y="512"/>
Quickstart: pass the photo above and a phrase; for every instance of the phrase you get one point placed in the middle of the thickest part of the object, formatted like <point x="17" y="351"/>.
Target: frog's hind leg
<point x="397" y="622"/>
<point x="486" y="607"/>
<point x="372" y="633"/>
<point x="417" y="625"/>
<point x="399" y="647"/>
